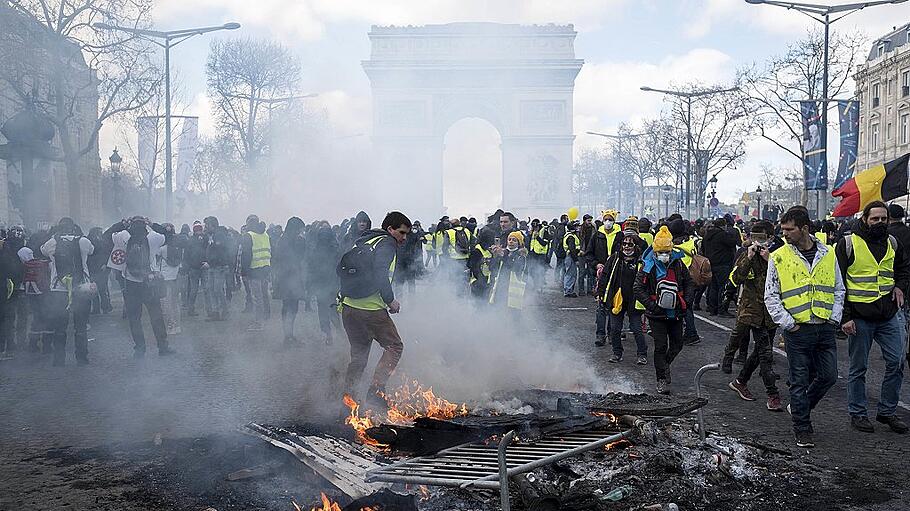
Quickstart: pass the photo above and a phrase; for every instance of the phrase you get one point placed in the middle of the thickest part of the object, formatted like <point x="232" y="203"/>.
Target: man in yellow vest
<point x="457" y="245"/>
<point x="538" y="248"/>
<point x="571" y="247"/>
<point x="876" y="273"/>
<point x="255" y="263"/>
<point x="804" y="294"/>
<point x="479" y="263"/>
<point x="366" y="316"/>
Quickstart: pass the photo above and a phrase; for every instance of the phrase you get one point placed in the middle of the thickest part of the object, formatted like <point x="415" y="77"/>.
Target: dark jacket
<point x="323" y="253"/>
<point x="194" y="252"/>
<point x="750" y="274"/>
<point x="884" y="308"/>
<point x="719" y="246"/>
<point x="13" y="267"/>
<point x="97" y="261"/>
<point x="559" y="232"/>
<point x="645" y="287"/>
<point x="598" y="249"/>
<point x="619" y="273"/>
<point x="218" y="250"/>
<point x="288" y="262"/>
<point x="585" y="236"/>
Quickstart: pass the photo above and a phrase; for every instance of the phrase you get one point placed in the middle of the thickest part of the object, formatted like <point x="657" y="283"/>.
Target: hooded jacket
<point x="288" y="262"/>
<point x="884" y="308"/>
<point x="645" y="287"/>
<point x="719" y="246"/>
<point x="354" y="232"/>
<point x="322" y="257"/>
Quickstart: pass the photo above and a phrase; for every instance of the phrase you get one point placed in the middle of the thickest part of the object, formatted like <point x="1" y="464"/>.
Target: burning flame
<point x="405" y="404"/>
<point x="360" y="423"/>
<point x="622" y="442"/>
<point x="608" y="415"/>
<point x="411" y="401"/>
<point x="329" y="505"/>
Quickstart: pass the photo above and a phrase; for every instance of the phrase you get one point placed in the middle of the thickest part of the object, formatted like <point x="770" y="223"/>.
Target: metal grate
<point x="476" y="465"/>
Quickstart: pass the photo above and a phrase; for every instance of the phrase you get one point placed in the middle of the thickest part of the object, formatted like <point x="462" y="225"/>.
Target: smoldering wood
<point x="384" y="500"/>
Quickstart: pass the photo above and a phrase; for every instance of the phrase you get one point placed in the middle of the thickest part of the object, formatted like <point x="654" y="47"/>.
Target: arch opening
<point x="472" y="168"/>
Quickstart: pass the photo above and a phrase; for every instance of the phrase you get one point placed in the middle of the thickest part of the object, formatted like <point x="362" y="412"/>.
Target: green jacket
<point x="749" y="275"/>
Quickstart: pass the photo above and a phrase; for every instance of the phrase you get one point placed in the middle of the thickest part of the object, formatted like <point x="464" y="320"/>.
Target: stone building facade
<point x="25" y="79"/>
<point x="883" y="89"/>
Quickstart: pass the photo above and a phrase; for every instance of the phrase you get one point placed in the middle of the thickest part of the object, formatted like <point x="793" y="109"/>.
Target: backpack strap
<point x="848" y="245"/>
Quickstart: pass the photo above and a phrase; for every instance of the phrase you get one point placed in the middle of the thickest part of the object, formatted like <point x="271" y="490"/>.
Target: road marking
<point x="573" y="308"/>
<point x="728" y="329"/>
<point x="777" y="350"/>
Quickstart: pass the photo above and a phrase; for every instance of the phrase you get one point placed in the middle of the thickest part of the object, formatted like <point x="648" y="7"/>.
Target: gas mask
<point x="663" y="257"/>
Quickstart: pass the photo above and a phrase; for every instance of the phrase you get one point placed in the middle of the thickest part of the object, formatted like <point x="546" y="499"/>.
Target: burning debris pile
<point x="569" y="451"/>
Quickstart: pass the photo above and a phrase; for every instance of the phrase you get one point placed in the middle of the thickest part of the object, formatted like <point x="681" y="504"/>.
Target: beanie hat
<point x="631" y="224"/>
<point x="895" y="211"/>
<point x="663" y="240"/>
<point x="678" y="228"/>
<point x="518" y="236"/>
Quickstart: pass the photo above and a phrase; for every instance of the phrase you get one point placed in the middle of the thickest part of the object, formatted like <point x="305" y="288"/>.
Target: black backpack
<point x="68" y="258"/>
<point x="355" y="269"/>
<point x="462" y="241"/>
<point x="174" y="252"/>
<point x="138" y="261"/>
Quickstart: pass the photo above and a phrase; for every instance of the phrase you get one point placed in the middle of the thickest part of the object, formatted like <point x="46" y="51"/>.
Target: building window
<point x="876" y="94"/>
<point x="881" y="50"/>
<point x="890" y="86"/>
<point x="888" y="132"/>
<point x="905" y="77"/>
<point x="904" y="126"/>
<point x="874" y="138"/>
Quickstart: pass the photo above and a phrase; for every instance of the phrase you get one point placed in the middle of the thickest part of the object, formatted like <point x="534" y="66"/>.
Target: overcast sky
<point x="625" y="44"/>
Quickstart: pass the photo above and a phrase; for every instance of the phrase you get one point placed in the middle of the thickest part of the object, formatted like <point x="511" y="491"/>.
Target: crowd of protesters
<point x="810" y="282"/>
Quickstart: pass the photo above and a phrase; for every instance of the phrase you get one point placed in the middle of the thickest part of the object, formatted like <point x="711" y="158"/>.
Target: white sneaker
<point x="788" y="410"/>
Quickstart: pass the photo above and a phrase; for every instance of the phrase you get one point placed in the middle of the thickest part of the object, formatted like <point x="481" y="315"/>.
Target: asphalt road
<point x="161" y="433"/>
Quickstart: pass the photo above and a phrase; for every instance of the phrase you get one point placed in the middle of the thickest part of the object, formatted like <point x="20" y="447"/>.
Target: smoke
<point x="468" y="349"/>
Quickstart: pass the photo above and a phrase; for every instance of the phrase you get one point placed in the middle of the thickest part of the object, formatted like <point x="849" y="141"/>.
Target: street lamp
<point x="822" y="14"/>
<point x="666" y="189"/>
<point x="758" y="198"/>
<point x="116" y="160"/>
<point x="688" y="96"/>
<point x="619" y="139"/>
<point x="170" y="39"/>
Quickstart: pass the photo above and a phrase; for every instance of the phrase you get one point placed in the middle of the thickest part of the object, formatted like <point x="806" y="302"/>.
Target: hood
<point x="649" y="261"/>
<point x="363" y="217"/>
<point x="293" y="226"/>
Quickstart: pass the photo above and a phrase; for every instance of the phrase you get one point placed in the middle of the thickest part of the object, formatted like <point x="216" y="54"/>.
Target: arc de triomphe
<point x="518" y="78"/>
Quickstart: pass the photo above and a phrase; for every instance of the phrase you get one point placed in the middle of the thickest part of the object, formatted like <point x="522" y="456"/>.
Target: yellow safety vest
<point x="648" y="237"/>
<point x="610" y="237"/>
<point x="868" y="279"/>
<point x="688" y="250"/>
<point x="538" y="244"/>
<point x="638" y="305"/>
<point x="516" y="289"/>
<point x="438" y="241"/>
<point x="484" y="264"/>
<point x="262" y="250"/>
<point x="374" y="302"/>
<point x="804" y="293"/>
<point x="450" y="234"/>
<point x="565" y="241"/>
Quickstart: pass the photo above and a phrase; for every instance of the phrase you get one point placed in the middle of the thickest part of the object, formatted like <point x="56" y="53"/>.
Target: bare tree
<point x="244" y="76"/>
<point x="647" y="155"/>
<point x="772" y="90"/>
<point x="590" y="178"/>
<point x="217" y="173"/>
<point x="67" y="68"/>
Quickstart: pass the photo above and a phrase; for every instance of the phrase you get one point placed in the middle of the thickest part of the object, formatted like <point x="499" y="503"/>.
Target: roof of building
<point x="894" y="39"/>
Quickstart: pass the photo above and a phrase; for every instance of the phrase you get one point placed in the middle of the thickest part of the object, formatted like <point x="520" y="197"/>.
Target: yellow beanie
<point x="663" y="240"/>
<point x="518" y="236"/>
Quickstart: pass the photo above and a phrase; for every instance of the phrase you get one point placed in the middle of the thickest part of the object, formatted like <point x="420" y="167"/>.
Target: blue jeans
<point x="889" y="336"/>
<point x="616" y="321"/>
<point x="570" y="277"/>
<point x="691" y="331"/>
<point x="812" y="354"/>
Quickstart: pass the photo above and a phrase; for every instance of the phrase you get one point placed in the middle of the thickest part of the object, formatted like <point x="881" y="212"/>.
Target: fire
<point x="608" y="415"/>
<point x="411" y="401"/>
<point x="329" y="505"/>
<point x="617" y="444"/>
<point x="405" y="404"/>
<point x="360" y="423"/>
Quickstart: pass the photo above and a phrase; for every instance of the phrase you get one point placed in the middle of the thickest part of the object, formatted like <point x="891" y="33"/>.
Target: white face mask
<point x="628" y="251"/>
<point x="664" y="257"/>
<point x="608" y="224"/>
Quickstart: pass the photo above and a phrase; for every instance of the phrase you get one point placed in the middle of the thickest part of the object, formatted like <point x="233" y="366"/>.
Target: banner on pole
<point x="186" y="154"/>
<point x="815" y="162"/>
<point x="147" y="127"/>
<point x="849" y="137"/>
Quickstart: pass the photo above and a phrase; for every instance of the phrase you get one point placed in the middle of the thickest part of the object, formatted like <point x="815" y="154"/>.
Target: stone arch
<point x="518" y="78"/>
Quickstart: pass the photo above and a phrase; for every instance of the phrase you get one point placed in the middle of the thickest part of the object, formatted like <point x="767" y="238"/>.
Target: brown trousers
<point x="363" y="327"/>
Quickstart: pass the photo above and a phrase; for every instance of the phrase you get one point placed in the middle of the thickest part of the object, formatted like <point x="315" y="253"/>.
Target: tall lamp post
<point x="619" y="139"/>
<point x="822" y="14"/>
<point x="167" y="39"/>
<point x="688" y="97"/>
<point x="758" y="198"/>
<point x="116" y="160"/>
<point x="666" y="189"/>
